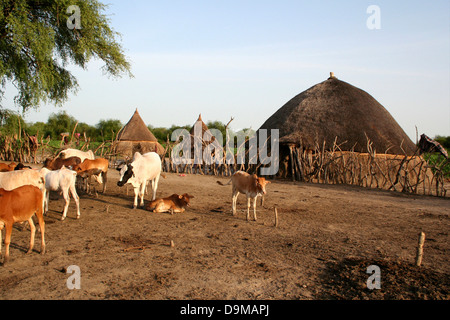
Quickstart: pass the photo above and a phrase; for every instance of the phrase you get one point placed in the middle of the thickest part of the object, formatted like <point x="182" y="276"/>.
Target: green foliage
<point x="161" y="133"/>
<point x="109" y="128"/>
<point x="59" y="123"/>
<point x="444" y="141"/>
<point x="36" y="45"/>
<point x="11" y="123"/>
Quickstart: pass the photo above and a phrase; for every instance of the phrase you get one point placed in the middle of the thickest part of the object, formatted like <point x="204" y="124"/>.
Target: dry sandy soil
<point x="326" y="239"/>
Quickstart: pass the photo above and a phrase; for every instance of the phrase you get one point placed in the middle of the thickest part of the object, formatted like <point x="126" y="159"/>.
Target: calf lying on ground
<point x="250" y="185"/>
<point x="61" y="180"/>
<point x="173" y="204"/>
<point x="19" y="205"/>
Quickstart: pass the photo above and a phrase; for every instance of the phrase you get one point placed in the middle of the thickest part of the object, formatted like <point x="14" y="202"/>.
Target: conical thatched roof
<point x="333" y="109"/>
<point x="136" y="137"/>
<point x="135" y="130"/>
<point x="206" y="139"/>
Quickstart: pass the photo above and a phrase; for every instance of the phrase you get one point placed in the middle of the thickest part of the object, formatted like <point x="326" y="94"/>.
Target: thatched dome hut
<point x="333" y="110"/>
<point x="136" y="137"/>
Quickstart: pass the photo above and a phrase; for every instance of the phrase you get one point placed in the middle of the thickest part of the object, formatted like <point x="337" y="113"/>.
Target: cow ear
<point x="180" y="197"/>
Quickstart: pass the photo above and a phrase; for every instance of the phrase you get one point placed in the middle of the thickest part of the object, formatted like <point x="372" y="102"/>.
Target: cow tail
<point x="224" y="184"/>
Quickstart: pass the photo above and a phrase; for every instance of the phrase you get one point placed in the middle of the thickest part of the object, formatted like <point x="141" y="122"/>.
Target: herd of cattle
<point x="25" y="192"/>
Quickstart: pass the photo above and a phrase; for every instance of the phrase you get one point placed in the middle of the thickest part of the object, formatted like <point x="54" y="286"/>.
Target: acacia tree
<point x="40" y="38"/>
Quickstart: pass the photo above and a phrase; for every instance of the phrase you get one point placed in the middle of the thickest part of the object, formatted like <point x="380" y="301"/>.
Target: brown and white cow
<point x="173" y="204"/>
<point x="19" y="205"/>
<point x="250" y="185"/>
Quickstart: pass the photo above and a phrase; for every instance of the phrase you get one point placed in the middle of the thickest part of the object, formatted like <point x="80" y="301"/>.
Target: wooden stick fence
<point x="402" y="173"/>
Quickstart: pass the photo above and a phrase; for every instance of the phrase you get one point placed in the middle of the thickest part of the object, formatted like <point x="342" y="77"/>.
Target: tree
<point x="59" y="123"/>
<point x="12" y="123"/>
<point x="39" y="38"/>
<point x="108" y="129"/>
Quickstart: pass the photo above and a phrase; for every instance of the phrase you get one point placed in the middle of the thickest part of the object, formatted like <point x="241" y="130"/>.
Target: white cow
<point x="14" y="179"/>
<point x="62" y="180"/>
<point x="77" y="153"/>
<point x="143" y="168"/>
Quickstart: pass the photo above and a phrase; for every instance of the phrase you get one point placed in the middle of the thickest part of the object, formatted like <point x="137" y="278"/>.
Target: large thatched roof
<point x="333" y="109"/>
<point x="135" y="130"/>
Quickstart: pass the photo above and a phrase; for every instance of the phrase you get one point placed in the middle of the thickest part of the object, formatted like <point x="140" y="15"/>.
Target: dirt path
<point x="326" y="238"/>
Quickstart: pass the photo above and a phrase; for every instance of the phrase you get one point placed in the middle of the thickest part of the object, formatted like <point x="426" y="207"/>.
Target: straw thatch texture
<point x="136" y="137"/>
<point x="135" y="130"/>
<point x="335" y="109"/>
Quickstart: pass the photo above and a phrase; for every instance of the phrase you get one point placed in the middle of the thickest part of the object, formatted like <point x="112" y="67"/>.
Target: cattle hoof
<point x="63" y="218"/>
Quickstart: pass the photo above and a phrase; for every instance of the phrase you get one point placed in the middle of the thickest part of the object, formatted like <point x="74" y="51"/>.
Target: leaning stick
<point x="276" y="217"/>
<point x="420" y="249"/>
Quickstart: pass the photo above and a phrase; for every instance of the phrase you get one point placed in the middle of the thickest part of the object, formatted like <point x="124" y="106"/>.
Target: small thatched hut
<point x="333" y="110"/>
<point x="136" y="137"/>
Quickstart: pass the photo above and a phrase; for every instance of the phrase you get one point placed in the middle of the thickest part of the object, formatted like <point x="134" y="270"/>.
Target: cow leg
<point x="105" y="179"/>
<point x="66" y="205"/>
<point x="8" y="228"/>
<point x="33" y="233"/>
<point x="248" y="208"/>
<point x="42" y="227"/>
<point x="234" y="200"/>
<point x="1" y="228"/>
<point x="47" y="199"/>
<point x="73" y="191"/>
<point x="141" y="194"/>
<point x="136" y="194"/>
<point x="254" y="207"/>
<point x="155" y="186"/>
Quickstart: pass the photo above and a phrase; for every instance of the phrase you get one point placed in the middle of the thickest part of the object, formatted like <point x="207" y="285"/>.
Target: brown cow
<point x="19" y="205"/>
<point x="173" y="204"/>
<point x="58" y="163"/>
<point x="7" y="167"/>
<point x="96" y="167"/>
<point x="250" y="185"/>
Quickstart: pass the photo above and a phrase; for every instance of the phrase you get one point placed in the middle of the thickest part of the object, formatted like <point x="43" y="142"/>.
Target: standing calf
<point x="250" y="185"/>
<point x="19" y="205"/>
<point x="97" y="168"/>
<point x="61" y="180"/>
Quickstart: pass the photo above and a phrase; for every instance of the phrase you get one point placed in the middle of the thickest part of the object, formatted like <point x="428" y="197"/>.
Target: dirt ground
<point x="326" y="239"/>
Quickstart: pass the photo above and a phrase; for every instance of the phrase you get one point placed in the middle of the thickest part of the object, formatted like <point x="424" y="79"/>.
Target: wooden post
<point x="420" y="249"/>
<point x="292" y="163"/>
<point x="276" y="217"/>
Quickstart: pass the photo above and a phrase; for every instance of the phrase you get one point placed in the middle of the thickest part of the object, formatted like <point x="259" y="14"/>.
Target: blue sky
<point x="245" y="59"/>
